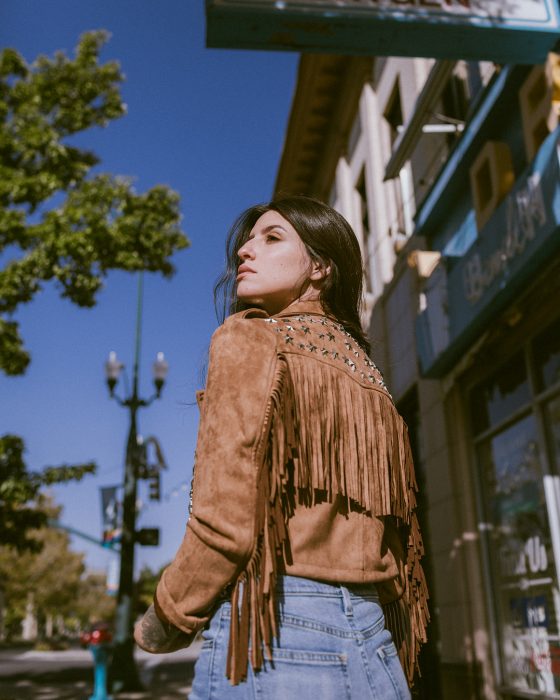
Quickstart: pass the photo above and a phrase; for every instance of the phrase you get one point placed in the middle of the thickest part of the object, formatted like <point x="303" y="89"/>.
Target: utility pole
<point x="124" y="673"/>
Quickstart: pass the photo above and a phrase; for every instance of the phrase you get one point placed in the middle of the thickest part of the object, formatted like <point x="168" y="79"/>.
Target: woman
<point x="302" y="532"/>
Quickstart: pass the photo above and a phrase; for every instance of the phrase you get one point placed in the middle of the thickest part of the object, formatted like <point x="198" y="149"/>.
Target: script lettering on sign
<point x="525" y="213"/>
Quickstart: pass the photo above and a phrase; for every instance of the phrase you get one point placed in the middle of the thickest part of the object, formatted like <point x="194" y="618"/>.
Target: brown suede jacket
<point x="303" y="467"/>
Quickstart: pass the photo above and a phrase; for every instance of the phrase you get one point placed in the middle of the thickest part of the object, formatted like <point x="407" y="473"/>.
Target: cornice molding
<point x="324" y="106"/>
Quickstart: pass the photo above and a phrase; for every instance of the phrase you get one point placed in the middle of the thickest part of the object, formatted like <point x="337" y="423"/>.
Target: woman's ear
<point x="319" y="270"/>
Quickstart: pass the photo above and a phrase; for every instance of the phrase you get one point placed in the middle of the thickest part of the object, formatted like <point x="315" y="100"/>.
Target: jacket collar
<point x="311" y="307"/>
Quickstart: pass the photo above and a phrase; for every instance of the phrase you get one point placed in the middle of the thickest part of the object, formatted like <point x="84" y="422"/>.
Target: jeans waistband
<point x="297" y="584"/>
<point x="347" y="595"/>
<point x="286" y="585"/>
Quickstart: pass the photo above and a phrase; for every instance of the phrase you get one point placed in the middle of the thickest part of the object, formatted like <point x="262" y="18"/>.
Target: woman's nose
<point x="246" y="251"/>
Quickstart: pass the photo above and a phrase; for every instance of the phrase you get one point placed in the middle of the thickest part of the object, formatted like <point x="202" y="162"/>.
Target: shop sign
<point x="522" y="31"/>
<point x="525" y="214"/>
<point x="519" y="238"/>
<point x="524" y="222"/>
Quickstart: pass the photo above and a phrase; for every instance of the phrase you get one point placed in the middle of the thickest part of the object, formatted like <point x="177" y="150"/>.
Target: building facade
<point x="449" y="173"/>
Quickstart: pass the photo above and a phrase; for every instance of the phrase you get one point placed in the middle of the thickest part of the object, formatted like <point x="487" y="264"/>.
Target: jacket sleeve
<point x="220" y="534"/>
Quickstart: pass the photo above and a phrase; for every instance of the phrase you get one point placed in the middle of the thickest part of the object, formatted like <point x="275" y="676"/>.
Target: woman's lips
<point x="244" y="271"/>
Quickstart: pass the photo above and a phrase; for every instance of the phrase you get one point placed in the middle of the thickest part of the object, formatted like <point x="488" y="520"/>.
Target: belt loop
<point x="346" y="602"/>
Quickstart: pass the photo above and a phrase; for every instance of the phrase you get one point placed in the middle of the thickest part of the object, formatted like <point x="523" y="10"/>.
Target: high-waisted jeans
<point x="332" y="645"/>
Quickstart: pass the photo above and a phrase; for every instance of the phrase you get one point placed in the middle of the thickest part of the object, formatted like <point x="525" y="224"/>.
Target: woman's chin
<point x="253" y="300"/>
<point x="248" y="297"/>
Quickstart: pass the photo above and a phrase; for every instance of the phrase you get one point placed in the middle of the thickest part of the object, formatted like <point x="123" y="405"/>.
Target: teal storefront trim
<point x="519" y="240"/>
<point x="519" y="32"/>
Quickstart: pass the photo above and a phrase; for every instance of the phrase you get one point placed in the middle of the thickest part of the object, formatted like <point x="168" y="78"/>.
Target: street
<point x="68" y="675"/>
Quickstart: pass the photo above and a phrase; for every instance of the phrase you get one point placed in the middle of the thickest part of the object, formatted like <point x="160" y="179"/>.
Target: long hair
<point x="328" y="239"/>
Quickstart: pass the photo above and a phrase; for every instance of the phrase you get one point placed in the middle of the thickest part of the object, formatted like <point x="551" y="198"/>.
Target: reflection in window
<point x="495" y="399"/>
<point x="521" y="556"/>
<point x="510" y="462"/>
<point x="553" y="424"/>
<point x="547" y="357"/>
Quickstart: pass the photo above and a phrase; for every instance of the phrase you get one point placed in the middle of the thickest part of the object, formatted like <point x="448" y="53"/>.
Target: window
<point x="366" y="238"/>
<point x="547" y="357"/>
<point x="394" y="118"/>
<point x="547" y="376"/>
<point x="393" y="113"/>
<point x="355" y="134"/>
<point x="496" y="398"/>
<point x="515" y="416"/>
<point x="491" y="177"/>
<point x="454" y="103"/>
<point x="536" y="99"/>
<point x="442" y="129"/>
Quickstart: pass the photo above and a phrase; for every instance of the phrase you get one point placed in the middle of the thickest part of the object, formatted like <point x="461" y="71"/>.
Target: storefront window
<point x="547" y="357"/>
<point x="553" y="425"/>
<point x="523" y="559"/>
<point x="495" y="399"/>
<point x="513" y="462"/>
<point x="512" y="473"/>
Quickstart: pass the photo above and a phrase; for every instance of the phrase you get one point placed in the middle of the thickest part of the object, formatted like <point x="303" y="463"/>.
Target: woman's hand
<point x="158" y="637"/>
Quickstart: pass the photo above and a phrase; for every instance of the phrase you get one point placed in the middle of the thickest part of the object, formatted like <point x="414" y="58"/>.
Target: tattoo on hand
<point x="159" y="636"/>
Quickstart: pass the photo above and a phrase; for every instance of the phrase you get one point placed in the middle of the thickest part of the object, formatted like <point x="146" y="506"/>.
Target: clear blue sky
<point x="210" y="124"/>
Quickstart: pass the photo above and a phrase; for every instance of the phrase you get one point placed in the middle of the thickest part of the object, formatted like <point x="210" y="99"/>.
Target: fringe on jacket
<point x="357" y="447"/>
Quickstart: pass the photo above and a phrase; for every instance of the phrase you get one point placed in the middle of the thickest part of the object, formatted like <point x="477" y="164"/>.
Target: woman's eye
<point x="271" y="237"/>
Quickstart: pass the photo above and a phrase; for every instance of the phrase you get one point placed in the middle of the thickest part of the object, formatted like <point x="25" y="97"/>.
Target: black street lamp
<point x="124" y="673"/>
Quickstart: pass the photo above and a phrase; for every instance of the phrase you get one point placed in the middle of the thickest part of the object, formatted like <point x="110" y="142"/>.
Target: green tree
<point x="61" y="222"/>
<point x="20" y="494"/>
<point x="146" y="587"/>
<point x="93" y="603"/>
<point x="50" y="573"/>
<point x="64" y="223"/>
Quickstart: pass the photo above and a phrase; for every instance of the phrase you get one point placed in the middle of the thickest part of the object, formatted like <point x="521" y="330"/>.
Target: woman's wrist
<point x="158" y="636"/>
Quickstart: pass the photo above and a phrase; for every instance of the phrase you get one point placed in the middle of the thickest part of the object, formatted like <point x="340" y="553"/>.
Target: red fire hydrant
<point x="99" y="642"/>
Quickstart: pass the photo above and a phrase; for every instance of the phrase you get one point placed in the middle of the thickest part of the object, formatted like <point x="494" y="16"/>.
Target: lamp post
<point x="124" y="673"/>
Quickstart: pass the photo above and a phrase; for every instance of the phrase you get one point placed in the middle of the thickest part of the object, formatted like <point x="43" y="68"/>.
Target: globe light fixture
<point x="160" y="368"/>
<point x="113" y="368"/>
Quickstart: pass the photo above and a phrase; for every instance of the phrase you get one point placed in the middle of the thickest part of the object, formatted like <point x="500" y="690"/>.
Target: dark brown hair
<point x="329" y="240"/>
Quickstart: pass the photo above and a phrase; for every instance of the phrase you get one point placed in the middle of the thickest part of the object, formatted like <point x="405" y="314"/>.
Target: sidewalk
<point x="68" y="675"/>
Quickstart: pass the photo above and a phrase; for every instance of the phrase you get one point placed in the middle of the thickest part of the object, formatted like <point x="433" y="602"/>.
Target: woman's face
<point x="275" y="268"/>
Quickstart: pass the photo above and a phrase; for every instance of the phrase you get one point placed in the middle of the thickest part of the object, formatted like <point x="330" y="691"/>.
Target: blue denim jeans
<point x="332" y="645"/>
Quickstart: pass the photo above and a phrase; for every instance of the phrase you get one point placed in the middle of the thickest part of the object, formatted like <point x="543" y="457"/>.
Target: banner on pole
<point x="113" y="573"/>
<point x="110" y="516"/>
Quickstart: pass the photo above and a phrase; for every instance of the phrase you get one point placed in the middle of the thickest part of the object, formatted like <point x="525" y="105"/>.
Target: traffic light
<point x="148" y="536"/>
<point x="154" y="487"/>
